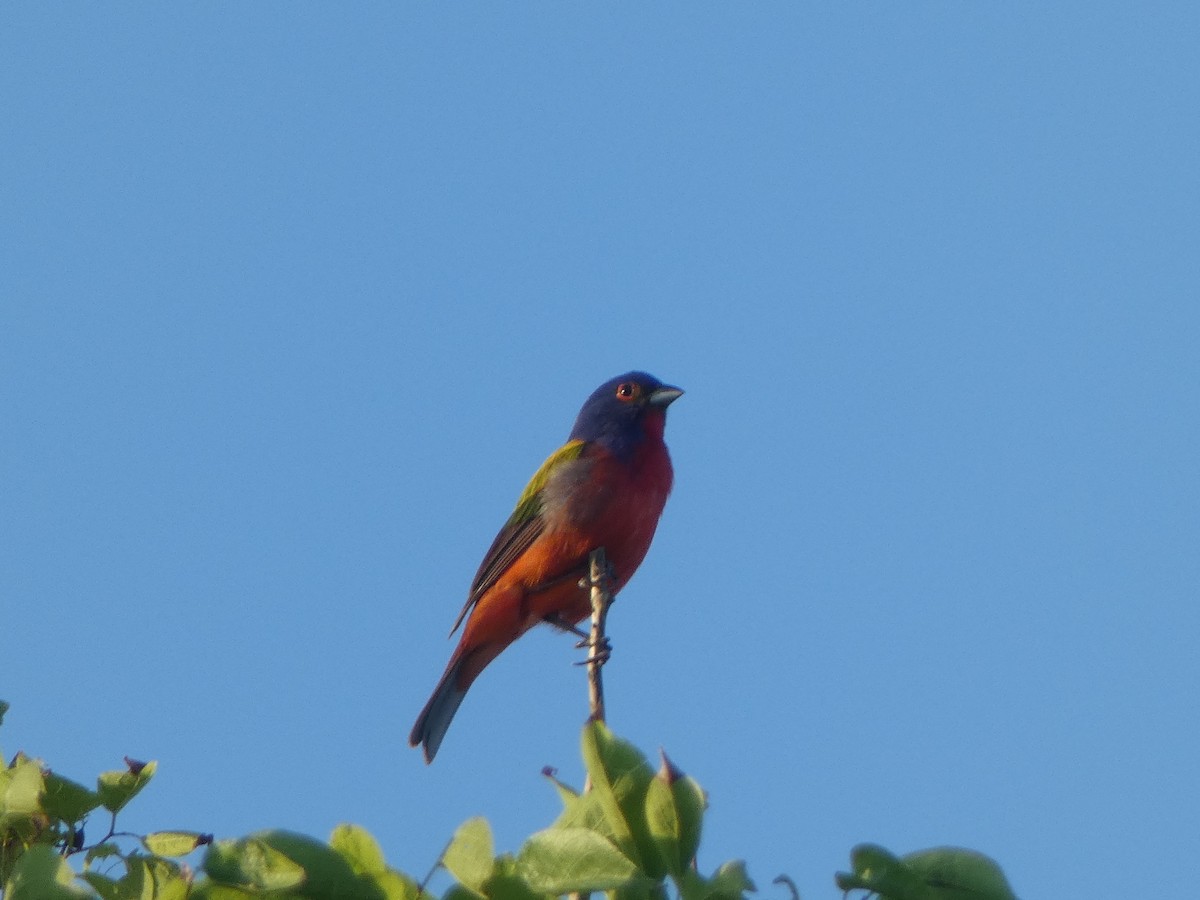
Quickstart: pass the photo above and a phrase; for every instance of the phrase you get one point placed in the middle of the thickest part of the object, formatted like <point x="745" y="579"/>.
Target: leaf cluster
<point x="44" y="820"/>
<point x="943" y="873"/>
<point x="633" y="833"/>
<point x="628" y="834"/>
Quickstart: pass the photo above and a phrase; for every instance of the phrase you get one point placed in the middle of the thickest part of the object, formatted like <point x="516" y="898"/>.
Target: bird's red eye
<point x="627" y="391"/>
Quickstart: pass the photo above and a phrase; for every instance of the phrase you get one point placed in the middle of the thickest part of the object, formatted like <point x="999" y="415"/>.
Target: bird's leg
<point x="588" y="580"/>
<point x="585" y="637"/>
<point x="557" y="621"/>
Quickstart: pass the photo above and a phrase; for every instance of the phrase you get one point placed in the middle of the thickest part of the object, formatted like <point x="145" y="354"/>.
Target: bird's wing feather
<point x="521" y="529"/>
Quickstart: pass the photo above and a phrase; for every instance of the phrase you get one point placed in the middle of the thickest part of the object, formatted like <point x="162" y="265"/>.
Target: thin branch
<point x="599" y="650"/>
<point x="791" y="885"/>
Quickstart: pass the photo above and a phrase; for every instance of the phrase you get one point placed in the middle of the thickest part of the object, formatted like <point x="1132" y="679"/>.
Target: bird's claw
<point x="605" y="645"/>
<point x="599" y="655"/>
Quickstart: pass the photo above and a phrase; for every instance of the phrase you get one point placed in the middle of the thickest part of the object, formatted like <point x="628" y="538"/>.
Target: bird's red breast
<point x="599" y="500"/>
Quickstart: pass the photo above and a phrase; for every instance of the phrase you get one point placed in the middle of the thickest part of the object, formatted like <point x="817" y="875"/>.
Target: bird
<point x="604" y="488"/>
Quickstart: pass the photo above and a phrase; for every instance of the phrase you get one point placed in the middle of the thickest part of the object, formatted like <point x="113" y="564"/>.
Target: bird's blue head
<point x="625" y="410"/>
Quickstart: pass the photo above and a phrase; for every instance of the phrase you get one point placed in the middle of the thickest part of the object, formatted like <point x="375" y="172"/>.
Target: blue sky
<point x="295" y="298"/>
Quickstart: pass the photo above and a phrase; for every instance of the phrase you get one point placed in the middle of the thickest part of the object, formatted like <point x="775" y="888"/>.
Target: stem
<point x="599" y="576"/>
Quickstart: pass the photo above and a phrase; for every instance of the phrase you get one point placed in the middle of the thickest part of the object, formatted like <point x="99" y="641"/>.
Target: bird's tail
<point x="464" y="667"/>
<point x="435" y="718"/>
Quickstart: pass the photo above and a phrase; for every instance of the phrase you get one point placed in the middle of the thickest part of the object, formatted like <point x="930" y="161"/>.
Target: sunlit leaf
<point x="565" y="791"/>
<point x="594" y="812"/>
<point x="619" y="777"/>
<point x="663" y="822"/>
<point x="690" y="801"/>
<point x="469" y="858"/>
<point x="149" y="878"/>
<point x="568" y="860"/>
<point x="395" y="886"/>
<point x="359" y="849"/>
<point x="327" y="872"/>
<point x="253" y="864"/>
<point x="117" y="788"/>
<point x="175" y="843"/>
<point x="41" y="874"/>
<point x="21" y="787"/>
<point x="67" y="800"/>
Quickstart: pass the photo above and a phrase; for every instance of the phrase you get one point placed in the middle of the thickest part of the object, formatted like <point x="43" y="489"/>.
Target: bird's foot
<point x="598" y="655"/>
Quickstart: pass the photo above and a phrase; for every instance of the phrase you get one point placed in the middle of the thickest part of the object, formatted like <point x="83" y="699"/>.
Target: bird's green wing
<point x="521" y="529"/>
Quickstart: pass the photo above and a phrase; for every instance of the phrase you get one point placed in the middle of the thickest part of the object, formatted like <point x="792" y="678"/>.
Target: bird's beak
<point x="664" y="396"/>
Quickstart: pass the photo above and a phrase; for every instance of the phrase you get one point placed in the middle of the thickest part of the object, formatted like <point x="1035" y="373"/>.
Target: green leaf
<point x="506" y="882"/>
<point x="327" y="873"/>
<point x="565" y="792"/>
<point x="590" y="811"/>
<point x="175" y="843"/>
<point x="117" y="788"/>
<point x="692" y="885"/>
<point x="657" y="891"/>
<point x="878" y="871"/>
<point x="952" y="873"/>
<point x="41" y="874"/>
<point x="663" y="822"/>
<point x="67" y="800"/>
<point x="101" y="851"/>
<point x="620" y="777"/>
<point x="21" y="787"/>
<point x="731" y="880"/>
<point x="943" y="873"/>
<point x="253" y="864"/>
<point x="150" y="878"/>
<point x="4" y="707"/>
<point x="674" y="814"/>
<point x="459" y="891"/>
<point x="359" y="849"/>
<point x="570" y="860"/>
<point x="469" y="858"/>
<point x="690" y="803"/>
<point x="395" y="886"/>
<point x="210" y="890"/>
<point x="107" y="888"/>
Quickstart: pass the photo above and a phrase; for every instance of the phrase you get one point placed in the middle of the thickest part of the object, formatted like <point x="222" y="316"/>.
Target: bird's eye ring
<point x="628" y="391"/>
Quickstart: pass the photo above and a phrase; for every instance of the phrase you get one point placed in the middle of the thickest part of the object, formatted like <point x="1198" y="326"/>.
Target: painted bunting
<point x="605" y="487"/>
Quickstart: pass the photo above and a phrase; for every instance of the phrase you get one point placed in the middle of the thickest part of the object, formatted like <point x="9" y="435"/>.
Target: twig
<point x="599" y="650"/>
<point x="791" y="885"/>
<point x="599" y="577"/>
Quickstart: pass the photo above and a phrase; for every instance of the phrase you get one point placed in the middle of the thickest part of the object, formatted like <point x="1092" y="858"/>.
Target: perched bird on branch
<point x="605" y="487"/>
